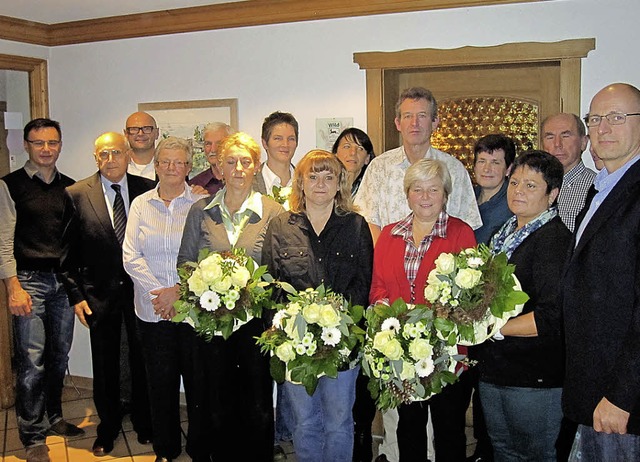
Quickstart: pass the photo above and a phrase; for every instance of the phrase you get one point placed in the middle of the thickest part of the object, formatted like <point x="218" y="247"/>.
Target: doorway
<point x="39" y="107"/>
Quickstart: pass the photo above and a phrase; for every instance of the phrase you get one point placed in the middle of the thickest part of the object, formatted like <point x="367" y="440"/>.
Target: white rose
<point x="196" y="284"/>
<point x="210" y="268"/>
<point x="431" y="293"/>
<point x="475" y="262"/>
<point x="445" y="263"/>
<point x="468" y="278"/>
<point x="240" y="276"/>
<point x="222" y="285"/>
<point x="285" y="352"/>
<point x="420" y="348"/>
<point x="408" y="371"/>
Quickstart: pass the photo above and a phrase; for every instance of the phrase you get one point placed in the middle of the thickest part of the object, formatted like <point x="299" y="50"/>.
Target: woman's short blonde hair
<point x="318" y="160"/>
<point x="425" y="170"/>
<point x="174" y="142"/>
<point x="239" y="140"/>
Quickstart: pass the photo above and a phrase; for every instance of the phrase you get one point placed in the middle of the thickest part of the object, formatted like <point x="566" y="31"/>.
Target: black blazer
<point x="601" y="307"/>
<point x="92" y="257"/>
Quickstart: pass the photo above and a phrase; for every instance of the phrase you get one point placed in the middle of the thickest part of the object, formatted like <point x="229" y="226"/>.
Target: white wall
<point x="304" y="68"/>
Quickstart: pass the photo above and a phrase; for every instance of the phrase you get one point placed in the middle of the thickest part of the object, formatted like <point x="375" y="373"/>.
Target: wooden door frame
<point x="39" y="104"/>
<point x="567" y="53"/>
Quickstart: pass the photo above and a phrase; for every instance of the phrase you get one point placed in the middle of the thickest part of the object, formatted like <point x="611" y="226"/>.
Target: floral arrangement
<point x="313" y="335"/>
<point x="474" y="292"/>
<point x="281" y="194"/>
<point x="221" y="292"/>
<point x="409" y="354"/>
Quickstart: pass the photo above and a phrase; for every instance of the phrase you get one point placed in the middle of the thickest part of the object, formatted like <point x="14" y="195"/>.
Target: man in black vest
<point x="98" y="287"/>
<point x="31" y="206"/>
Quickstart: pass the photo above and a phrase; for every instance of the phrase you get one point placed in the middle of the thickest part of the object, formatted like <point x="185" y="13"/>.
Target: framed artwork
<point x="187" y="119"/>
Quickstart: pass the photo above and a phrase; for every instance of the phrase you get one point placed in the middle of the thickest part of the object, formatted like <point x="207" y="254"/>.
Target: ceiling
<point x="57" y="11"/>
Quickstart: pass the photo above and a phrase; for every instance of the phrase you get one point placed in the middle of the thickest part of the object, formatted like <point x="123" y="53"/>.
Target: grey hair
<point x="174" y="142"/>
<point x="215" y="126"/>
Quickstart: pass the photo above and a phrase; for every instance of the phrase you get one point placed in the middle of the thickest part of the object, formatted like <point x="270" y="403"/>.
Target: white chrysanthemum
<point x="475" y="262"/>
<point x="331" y="336"/>
<point x="390" y="324"/>
<point x="345" y="352"/>
<point x="410" y="330"/>
<point x="233" y="295"/>
<point x="301" y="349"/>
<point x="424" y="367"/>
<point x="210" y="300"/>
<point x="229" y="304"/>
<point x="307" y="340"/>
<point x="311" y="350"/>
<point x="278" y="317"/>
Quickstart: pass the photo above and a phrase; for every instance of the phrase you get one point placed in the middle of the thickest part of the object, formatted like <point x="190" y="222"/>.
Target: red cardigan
<point x="389" y="276"/>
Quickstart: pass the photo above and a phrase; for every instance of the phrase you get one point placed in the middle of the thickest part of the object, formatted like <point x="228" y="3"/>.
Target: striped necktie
<point x="119" y="214"/>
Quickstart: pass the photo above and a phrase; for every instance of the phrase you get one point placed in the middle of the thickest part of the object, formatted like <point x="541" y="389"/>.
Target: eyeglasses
<point x="53" y="144"/>
<point x="176" y="163"/>
<point x="114" y="153"/>
<point x="135" y="130"/>
<point x="615" y="118"/>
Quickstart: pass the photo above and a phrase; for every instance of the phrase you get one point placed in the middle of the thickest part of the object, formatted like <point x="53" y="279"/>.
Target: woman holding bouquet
<point x="150" y="249"/>
<point x="405" y="254"/>
<point x="321" y="240"/>
<point x="237" y="374"/>
<point x="521" y="376"/>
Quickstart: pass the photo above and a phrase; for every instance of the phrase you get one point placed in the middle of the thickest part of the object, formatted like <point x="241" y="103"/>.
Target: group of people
<point x="561" y="381"/>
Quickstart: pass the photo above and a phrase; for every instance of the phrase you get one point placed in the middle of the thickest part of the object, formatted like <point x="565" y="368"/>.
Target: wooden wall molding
<point x="213" y="17"/>
<point x="38" y="81"/>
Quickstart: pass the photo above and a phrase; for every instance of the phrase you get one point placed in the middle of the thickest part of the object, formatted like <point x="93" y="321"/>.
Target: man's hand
<point x="609" y="418"/>
<point x="82" y="309"/>
<point x="18" y="299"/>
<point x="164" y="300"/>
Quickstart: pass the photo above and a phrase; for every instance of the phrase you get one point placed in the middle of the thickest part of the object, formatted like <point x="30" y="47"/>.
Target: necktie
<point x="119" y="214"/>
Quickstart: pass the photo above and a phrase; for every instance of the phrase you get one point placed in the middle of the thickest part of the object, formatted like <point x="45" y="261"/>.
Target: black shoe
<point x="478" y="458"/>
<point x="163" y="459"/>
<point x="64" y="428"/>
<point x="278" y="453"/>
<point x="381" y="458"/>
<point x="144" y="439"/>
<point x="102" y="447"/>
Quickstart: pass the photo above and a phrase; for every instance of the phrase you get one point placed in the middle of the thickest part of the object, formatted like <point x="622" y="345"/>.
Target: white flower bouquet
<point x="474" y="293"/>
<point x="221" y="292"/>
<point x="408" y="355"/>
<point x="313" y="335"/>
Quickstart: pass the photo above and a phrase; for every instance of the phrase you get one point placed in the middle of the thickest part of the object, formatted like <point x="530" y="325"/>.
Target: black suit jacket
<point x="92" y="260"/>
<point x="601" y="307"/>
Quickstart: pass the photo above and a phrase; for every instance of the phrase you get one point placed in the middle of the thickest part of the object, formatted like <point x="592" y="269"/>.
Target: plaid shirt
<point x="575" y="185"/>
<point x="413" y="254"/>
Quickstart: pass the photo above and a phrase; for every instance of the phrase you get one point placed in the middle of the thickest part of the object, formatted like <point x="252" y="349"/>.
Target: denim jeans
<point x="523" y="423"/>
<point x="323" y="423"/>
<point x="593" y="446"/>
<point x="284" y="416"/>
<point x="42" y="344"/>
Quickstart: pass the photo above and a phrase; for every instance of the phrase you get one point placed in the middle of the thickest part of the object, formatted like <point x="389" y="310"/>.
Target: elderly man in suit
<point x="98" y="287"/>
<point x="601" y="289"/>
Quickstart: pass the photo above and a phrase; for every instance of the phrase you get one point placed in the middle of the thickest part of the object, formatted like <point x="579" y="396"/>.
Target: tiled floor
<point x="78" y="408"/>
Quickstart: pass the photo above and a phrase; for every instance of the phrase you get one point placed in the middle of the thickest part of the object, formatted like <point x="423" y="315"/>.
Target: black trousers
<point x="448" y="411"/>
<point x="170" y="352"/>
<point x="105" y="333"/>
<point x="239" y="396"/>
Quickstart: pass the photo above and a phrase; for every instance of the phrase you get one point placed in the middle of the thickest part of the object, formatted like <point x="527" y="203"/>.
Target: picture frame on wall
<point x="187" y="119"/>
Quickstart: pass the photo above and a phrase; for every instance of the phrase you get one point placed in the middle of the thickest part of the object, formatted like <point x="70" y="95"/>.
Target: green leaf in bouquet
<point x="356" y="312"/>
<point x="259" y="273"/>
<point x="444" y="325"/>
<point x="397" y="365"/>
<point x="331" y="369"/>
<point x="278" y="369"/>
<point x="300" y="325"/>
<point x="179" y="317"/>
<point x="398" y="307"/>
<point x="288" y="288"/>
<point x="226" y="330"/>
<point x="203" y="253"/>
<point x="466" y="332"/>
<point x="365" y="367"/>
<point x="452" y="339"/>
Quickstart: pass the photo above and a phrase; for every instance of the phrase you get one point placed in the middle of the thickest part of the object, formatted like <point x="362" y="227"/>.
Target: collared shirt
<point x="413" y="254"/>
<point x="575" y="185"/>
<point x="604" y="184"/>
<point x="235" y="223"/>
<point x="207" y="181"/>
<point x="110" y="194"/>
<point x="151" y="244"/>
<point x="9" y="222"/>
<point x="382" y="200"/>
<point x="271" y="179"/>
<point x="145" y="171"/>
<point x="494" y="212"/>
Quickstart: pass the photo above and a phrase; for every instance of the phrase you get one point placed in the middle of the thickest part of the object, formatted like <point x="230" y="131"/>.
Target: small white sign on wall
<point x="328" y="130"/>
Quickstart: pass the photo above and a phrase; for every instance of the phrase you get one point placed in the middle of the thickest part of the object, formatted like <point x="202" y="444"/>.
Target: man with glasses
<point x="601" y="289"/>
<point x="31" y="207"/>
<point x="142" y="133"/>
<point x="564" y="137"/>
<point x="211" y="178"/>
<point x="99" y="288"/>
